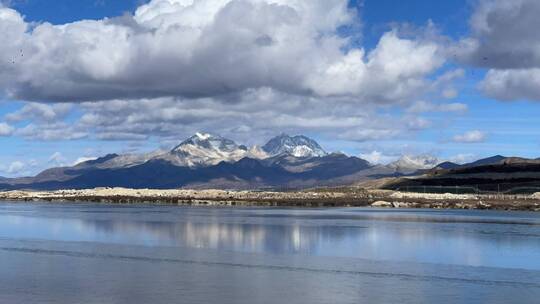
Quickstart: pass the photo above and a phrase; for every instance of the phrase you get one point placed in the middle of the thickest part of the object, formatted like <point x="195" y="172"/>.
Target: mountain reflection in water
<point x="448" y="237"/>
<point x="89" y="253"/>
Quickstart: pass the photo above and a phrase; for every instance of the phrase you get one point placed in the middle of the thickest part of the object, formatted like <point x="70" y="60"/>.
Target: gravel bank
<point x="343" y="197"/>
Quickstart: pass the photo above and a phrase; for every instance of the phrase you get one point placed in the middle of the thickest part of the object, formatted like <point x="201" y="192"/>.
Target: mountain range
<point x="211" y="161"/>
<point x="205" y="161"/>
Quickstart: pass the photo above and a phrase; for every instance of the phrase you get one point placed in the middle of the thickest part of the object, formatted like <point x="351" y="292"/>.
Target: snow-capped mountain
<point x="297" y="146"/>
<point x="207" y="161"/>
<point x="411" y="163"/>
<point x="203" y="149"/>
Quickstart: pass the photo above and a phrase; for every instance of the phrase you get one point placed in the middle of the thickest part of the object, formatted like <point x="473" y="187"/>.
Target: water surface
<point x="88" y="253"/>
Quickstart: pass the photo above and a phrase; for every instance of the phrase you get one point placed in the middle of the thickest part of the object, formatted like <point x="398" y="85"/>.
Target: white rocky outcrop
<point x="382" y="204"/>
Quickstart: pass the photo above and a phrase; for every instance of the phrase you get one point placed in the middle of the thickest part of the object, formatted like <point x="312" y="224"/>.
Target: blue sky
<point x="65" y="11"/>
<point x="480" y="122"/>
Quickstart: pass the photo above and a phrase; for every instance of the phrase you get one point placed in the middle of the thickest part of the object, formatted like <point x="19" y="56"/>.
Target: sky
<point x="378" y="79"/>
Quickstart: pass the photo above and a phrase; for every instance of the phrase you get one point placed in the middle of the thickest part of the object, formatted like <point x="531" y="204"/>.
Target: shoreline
<point x="326" y="197"/>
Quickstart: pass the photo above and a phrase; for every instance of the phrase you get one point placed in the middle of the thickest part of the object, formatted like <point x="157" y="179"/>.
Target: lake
<point x="91" y="253"/>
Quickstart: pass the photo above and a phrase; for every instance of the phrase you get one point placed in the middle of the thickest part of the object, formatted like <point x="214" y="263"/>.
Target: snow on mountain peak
<point x="413" y="163"/>
<point x="205" y="149"/>
<point x="297" y="146"/>
<point x="302" y="151"/>
<point x="203" y="136"/>
<point x="209" y="142"/>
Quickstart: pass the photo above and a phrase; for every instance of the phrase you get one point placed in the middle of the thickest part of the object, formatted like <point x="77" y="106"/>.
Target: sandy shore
<point x="341" y="197"/>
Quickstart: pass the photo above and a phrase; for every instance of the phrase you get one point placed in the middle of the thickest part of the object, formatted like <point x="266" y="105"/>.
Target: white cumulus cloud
<point x="474" y="136"/>
<point x="5" y="129"/>
<point x="209" y="48"/>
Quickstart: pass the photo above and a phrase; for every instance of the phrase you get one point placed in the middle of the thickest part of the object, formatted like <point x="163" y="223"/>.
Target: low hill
<point x="510" y="174"/>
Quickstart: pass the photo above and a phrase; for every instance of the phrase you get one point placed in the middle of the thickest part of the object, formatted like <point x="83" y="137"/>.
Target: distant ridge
<point x="447" y="165"/>
<point x="486" y="161"/>
<point x="99" y="160"/>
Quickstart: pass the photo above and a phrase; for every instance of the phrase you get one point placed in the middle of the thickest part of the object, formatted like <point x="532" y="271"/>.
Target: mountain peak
<point x="210" y="142"/>
<point x="297" y="146"/>
<point x="204" y="149"/>
<point x="203" y="136"/>
<point x="411" y="163"/>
